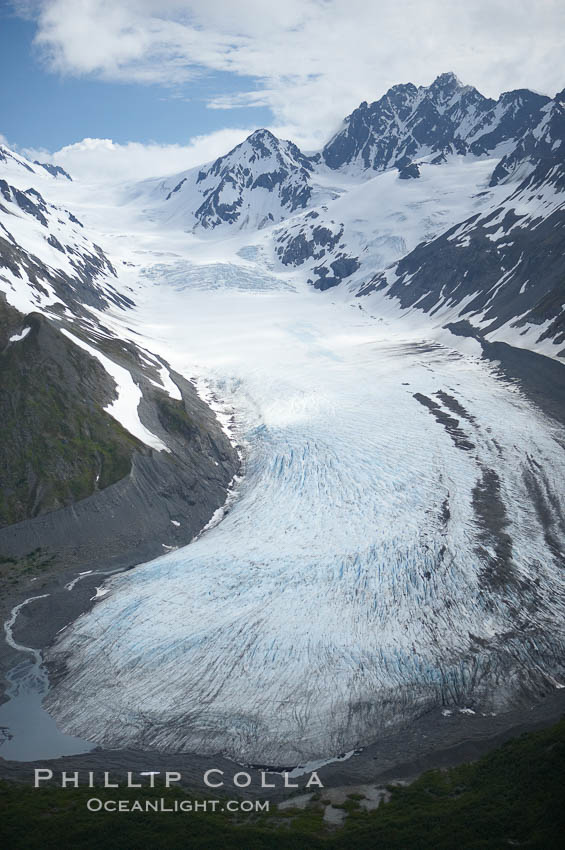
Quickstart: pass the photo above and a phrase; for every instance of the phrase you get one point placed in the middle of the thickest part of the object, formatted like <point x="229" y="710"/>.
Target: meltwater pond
<point x="391" y="549"/>
<point x="27" y="731"/>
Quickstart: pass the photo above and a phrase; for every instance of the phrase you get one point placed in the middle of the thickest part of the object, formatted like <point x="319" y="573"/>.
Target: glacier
<point x="356" y="580"/>
<point x="395" y="544"/>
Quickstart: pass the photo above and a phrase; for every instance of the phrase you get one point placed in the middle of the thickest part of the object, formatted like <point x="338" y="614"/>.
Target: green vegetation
<point x="513" y="797"/>
<point x="174" y="418"/>
<point x="57" y="444"/>
<point x="14" y="571"/>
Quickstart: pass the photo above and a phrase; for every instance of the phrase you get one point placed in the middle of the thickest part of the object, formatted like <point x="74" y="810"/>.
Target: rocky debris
<point x="450" y="424"/>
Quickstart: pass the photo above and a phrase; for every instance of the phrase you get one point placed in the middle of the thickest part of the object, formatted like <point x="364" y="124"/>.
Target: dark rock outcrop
<point x="307" y="241"/>
<point x="341" y="268"/>
<point x="410" y="171"/>
<point x="53" y="170"/>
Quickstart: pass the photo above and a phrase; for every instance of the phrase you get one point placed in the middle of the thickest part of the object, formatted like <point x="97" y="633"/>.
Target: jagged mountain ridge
<point x="405" y="124"/>
<point x="540" y="151"/>
<point x="446" y="117"/>
<point x="505" y="267"/>
<point x="403" y="170"/>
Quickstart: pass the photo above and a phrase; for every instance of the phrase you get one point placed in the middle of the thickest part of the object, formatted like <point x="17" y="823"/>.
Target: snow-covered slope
<point x="18" y="165"/>
<point x="379" y="220"/>
<point x="502" y="270"/>
<point x="47" y="260"/>
<point x="404" y="174"/>
<point x="261" y="181"/>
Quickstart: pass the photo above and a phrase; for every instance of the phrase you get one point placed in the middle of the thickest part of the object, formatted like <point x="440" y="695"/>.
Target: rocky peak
<point x="263" y="151"/>
<point x="263" y="139"/>
<point x="223" y="192"/>
<point x="445" y="117"/>
<point x="540" y="150"/>
<point x="444" y="87"/>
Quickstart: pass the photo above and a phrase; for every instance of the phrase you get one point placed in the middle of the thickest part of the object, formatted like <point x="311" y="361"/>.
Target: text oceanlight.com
<point x="95" y="804"/>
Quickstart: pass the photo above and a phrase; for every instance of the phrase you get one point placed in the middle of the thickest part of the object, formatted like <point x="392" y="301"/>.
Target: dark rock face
<point x="29" y="202"/>
<point x="541" y="149"/>
<point x="410" y="171"/>
<point x="75" y="484"/>
<point x="520" y="111"/>
<point x="445" y="117"/>
<point x="341" y="268"/>
<point x="213" y="211"/>
<point x="307" y="241"/>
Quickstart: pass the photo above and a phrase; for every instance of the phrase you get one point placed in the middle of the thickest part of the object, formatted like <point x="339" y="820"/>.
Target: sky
<point x="142" y="87"/>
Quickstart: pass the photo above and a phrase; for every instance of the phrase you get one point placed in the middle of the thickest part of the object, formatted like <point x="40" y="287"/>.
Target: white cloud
<point x="236" y="100"/>
<point x="101" y="160"/>
<point x="314" y="60"/>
